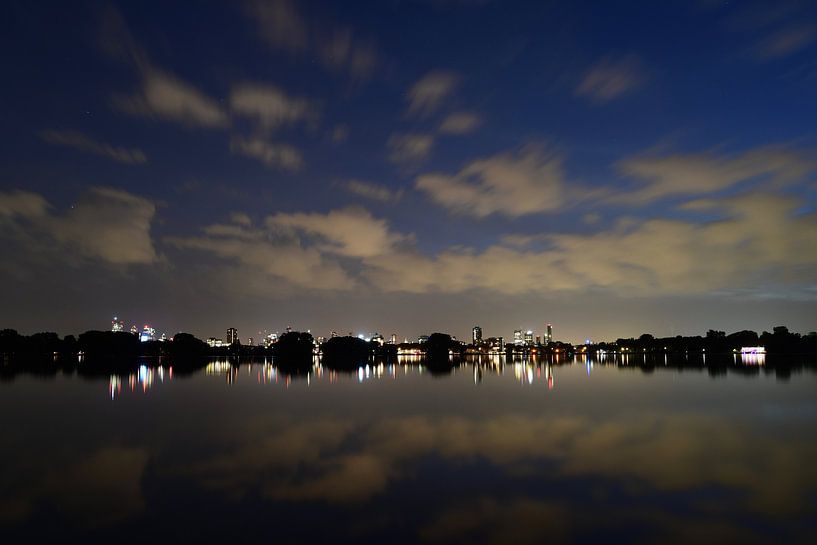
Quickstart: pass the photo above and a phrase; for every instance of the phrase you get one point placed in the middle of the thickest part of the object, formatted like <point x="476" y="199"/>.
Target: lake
<point x="499" y="452"/>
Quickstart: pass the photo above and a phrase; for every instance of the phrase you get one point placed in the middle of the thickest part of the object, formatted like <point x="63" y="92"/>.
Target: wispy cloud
<point x="759" y="240"/>
<point x="429" y="92"/>
<point x="261" y="255"/>
<point x="269" y="106"/>
<point x="373" y="191"/>
<point x="107" y="224"/>
<point x="511" y="184"/>
<point x="702" y="173"/>
<point x="786" y="41"/>
<point x="352" y="232"/>
<point x="164" y="96"/>
<point x="611" y="78"/>
<point x="272" y="154"/>
<point x="409" y="147"/>
<point x="84" y="143"/>
<point x="460" y="123"/>
<point x="281" y="25"/>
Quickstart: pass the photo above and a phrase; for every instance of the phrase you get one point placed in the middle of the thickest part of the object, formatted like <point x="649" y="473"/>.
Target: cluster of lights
<point x="143" y="379"/>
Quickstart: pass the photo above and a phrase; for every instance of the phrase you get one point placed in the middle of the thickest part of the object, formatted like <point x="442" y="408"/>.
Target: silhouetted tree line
<point x="109" y="351"/>
<point x="779" y="342"/>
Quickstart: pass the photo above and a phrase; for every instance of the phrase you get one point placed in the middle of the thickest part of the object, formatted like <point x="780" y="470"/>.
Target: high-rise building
<point x="134" y="330"/>
<point x="147" y="334"/>
<point x="518" y="340"/>
<point x="270" y="339"/>
<point x="476" y="335"/>
<point x="393" y="339"/>
<point x="232" y="336"/>
<point x="549" y="335"/>
<point x="377" y="338"/>
<point x="529" y="338"/>
<point x="117" y="324"/>
<point x="538" y="340"/>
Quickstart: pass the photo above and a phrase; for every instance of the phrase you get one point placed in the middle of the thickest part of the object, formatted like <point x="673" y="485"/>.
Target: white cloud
<point x="759" y="240"/>
<point x="272" y="154"/>
<point x="22" y="205"/>
<point x="373" y="191"/>
<point x="460" y="123"/>
<point x="701" y="173"/>
<point x="269" y="106"/>
<point x="167" y="97"/>
<point x="279" y="23"/>
<point x="106" y="224"/>
<point x="610" y="79"/>
<point x="262" y="258"/>
<point x="352" y="232"/>
<point x="429" y="92"/>
<point x="82" y="142"/>
<point x="343" y="51"/>
<point x="512" y="184"/>
<point x="410" y="147"/>
<point x="282" y="26"/>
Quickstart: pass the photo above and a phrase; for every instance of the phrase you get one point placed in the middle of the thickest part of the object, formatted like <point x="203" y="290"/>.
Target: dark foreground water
<point x="495" y="454"/>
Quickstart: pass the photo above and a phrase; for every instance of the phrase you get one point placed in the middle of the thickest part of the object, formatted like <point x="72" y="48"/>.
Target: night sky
<point x="409" y="166"/>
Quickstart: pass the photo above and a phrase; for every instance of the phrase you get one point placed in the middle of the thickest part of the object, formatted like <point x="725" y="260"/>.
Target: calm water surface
<point x="493" y="454"/>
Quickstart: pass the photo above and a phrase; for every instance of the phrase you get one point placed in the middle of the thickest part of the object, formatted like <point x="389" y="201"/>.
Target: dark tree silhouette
<point x="345" y="352"/>
<point x="294" y="350"/>
<point x="438" y="349"/>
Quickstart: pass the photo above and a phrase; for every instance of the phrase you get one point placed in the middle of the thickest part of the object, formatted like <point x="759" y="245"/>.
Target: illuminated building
<point x="147" y="334"/>
<point x="250" y="341"/>
<point x="334" y="334"/>
<point x="529" y="338"/>
<point x="212" y="342"/>
<point x="163" y="338"/>
<point x="378" y="338"/>
<point x="134" y="330"/>
<point x="496" y="344"/>
<point x="549" y="335"/>
<point x="393" y="339"/>
<point x="117" y="324"/>
<point x="538" y="340"/>
<point x="422" y="339"/>
<point x="270" y="339"/>
<point x="232" y="336"/>
<point x="517" y="337"/>
<point x="476" y="335"/>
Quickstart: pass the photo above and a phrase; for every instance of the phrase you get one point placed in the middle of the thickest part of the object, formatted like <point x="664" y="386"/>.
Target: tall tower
<point x="517" y="337"/>
<point x="232" y="336"/>
<point x="528" y="338"/>
<point x="549" y="336"/>
<point x="476" y="335"/>
<point x="117" y="324"/>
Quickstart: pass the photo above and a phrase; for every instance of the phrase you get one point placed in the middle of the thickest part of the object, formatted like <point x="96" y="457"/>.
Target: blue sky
<point x="410" y="166"/>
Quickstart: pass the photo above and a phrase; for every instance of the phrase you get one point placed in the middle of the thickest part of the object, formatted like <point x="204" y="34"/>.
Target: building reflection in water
<point x="527" y="369"/>
<point x="144" y="379"/>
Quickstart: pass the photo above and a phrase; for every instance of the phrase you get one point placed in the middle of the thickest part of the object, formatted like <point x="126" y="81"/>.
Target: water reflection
<point x="389" y="452"/>
<point x="142" y="380"/>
